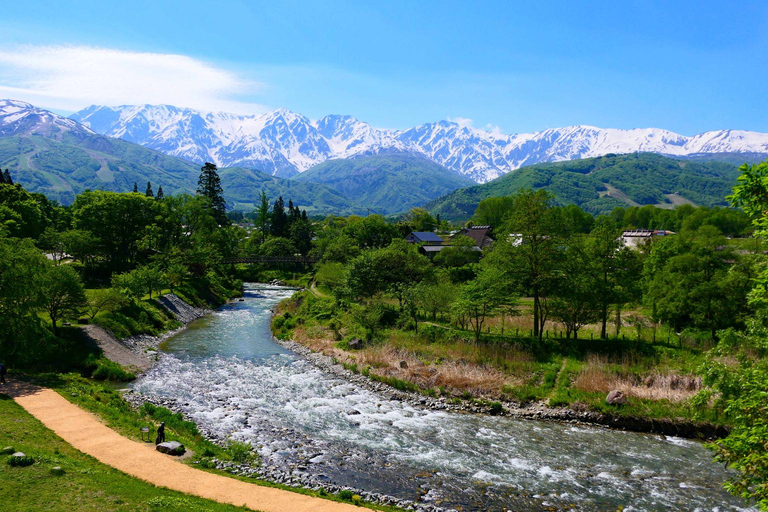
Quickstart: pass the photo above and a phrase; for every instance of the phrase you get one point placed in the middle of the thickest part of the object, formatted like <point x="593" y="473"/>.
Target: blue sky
<point x="519" y="66"/>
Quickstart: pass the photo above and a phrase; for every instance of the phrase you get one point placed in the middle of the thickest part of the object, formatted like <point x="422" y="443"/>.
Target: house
<point x="431" y="250"/>
<point x="423" y="237"/>
<point x="636" y="238"/>
<point x="480" y="234"/>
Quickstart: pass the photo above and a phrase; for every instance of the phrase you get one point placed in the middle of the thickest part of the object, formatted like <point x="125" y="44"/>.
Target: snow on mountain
<point x="19" y="118"/>
<point x="284" y="143"/>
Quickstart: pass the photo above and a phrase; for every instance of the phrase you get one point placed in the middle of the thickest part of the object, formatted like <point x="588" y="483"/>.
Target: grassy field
<point x="85" y="486"/>
<point x="656" y="369"/>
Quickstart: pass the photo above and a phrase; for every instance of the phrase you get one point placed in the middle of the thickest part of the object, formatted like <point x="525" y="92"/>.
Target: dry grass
<point x="598" y="376"/>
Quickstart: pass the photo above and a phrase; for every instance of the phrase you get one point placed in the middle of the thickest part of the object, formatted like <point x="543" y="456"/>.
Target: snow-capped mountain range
<point x="284" y="143"/>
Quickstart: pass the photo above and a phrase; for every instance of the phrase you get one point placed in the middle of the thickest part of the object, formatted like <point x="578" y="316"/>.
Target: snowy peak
<point x="19" y="118"/>
<point x="285" y="143"/>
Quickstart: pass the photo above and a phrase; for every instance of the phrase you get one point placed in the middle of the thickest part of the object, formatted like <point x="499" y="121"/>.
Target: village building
<point x="480" y="234"/>
<point x="424" y="237"/>
<point x="636" y="238"/>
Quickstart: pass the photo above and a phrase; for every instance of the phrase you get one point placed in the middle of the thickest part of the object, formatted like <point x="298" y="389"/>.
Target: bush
<point x="102" y="368"/>
<point x="346" y="495"/>
<point x="240" y="452"/>
<point x="20" y="461"/>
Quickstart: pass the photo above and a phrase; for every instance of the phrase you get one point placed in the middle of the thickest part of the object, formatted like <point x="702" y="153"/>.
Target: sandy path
<point x="85" y="432"/>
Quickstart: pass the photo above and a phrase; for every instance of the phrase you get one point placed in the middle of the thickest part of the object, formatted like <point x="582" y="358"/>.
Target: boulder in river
<point x="171" y="448"/>
<point x="616" y="397"/>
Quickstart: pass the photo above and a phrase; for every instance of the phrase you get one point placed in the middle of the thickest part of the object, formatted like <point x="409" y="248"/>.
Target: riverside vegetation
<point x="556" y="309"/>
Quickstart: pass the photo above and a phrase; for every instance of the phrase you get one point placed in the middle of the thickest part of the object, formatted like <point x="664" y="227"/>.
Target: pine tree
<point x="304" y="215"/>
<point x="7" y="177"/>
<point x="279" y="218"/>
<point x="2" y="178"/>
<point x="209" y="185"/>
<point x="135" y="188"/>
<point x="149" y="192"/>
<point x="160" y="194"/>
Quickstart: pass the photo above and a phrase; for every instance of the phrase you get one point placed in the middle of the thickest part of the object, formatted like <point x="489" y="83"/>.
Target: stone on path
<point x="171" y="448"/>
<point x="615" y="397"/>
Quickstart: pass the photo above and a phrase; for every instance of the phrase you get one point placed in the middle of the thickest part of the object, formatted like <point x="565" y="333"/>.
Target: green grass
<point x="86" y="484"/>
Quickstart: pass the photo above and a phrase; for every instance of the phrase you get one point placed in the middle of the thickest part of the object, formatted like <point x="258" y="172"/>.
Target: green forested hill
<point x="242" y="188"/>
<point x="62" y="167"/>
<point x="386" y="183"/>
<point x="600" y="184"/>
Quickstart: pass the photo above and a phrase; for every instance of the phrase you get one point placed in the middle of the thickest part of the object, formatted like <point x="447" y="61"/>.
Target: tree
<point x="481" y="299"/>
<point x="279" y="226"/>
<point x="689" y="287"/>
<point x="52" y="243"/>
<point x="263" y="216"/>
<point x="7" y="177"/>
<point x="576" y="300"/>
<point x="149" y="192"/>
<point x="371" y="232"/>
<point x="301" y="234"/>
<point x="331" y="274"/>
<point x="104" y="299"/>
<point x="493" y="211"/>
<point x="436" y="297"/>
<point x="135" y="188"/>
<point x="209" y="185"/>
<point x="277" y="247"/>
<point x="615" y="269"/>
<point x="160" y="194"/>
<point x="63" y="294"/>
<point x="461" y="252"/>
<point x="531" y="249"/>
<point x="419" y="219"/>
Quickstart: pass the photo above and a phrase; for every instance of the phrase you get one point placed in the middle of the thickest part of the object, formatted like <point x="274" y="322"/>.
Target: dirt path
<point x="85" y="432"/>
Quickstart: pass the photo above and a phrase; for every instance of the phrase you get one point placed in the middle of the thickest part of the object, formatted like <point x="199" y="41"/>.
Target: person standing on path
<point x="160" y="434"/>
<point x="3" y="371"/>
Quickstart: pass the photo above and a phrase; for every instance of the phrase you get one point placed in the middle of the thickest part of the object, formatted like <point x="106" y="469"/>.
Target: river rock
<point x="356" y="344"/>
<point x="171" y="448"/>
<point x="615" y="397"/>
<point x="7" y="450"/>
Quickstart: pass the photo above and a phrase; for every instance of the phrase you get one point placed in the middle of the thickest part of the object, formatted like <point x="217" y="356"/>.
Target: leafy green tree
<point x="301" y="234"/>
<point x="481" y="299"/>
<point x="691" y="287"/>
<point x="277" y="247"/>
<point x="493" y="211"/>
<point x="104" y="299"/>
<point x="371" y="232"/>
<point x="22" y="268"/>
<point x="209" y="185"/>
<point x="436" y="297"/>
<point x="575" y="298"/>
<point x="419" y="219"/>
<point x="341" y="248"/>
<point x="82" y="246"/>
<point x="461" y="252"/>
<point x="52" y="243"/>
<point x="21" y="212"/>
<point x="64" y="296"/>
<point x="530" y="250"/>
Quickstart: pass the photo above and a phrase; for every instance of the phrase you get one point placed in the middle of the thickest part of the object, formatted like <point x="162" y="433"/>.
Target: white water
<point x="229" y="376"/>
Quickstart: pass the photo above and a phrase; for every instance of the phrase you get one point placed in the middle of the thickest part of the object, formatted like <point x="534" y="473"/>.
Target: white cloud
<point x="73" y="77"/>
<point x="463" y="122"/>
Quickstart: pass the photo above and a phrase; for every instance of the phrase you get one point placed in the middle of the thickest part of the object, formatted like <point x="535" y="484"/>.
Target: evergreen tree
<point x="279" y="218"/>
<point x="209" y="185"/>
<point x="294" y="213"/>
<point x="149" y="192"/>
<point x="304" y="215"/>
<point x="160" y="194"/>
<point x="2" y="178"/>
<point x="7" y="177"/>
<point x="135" y="188"/>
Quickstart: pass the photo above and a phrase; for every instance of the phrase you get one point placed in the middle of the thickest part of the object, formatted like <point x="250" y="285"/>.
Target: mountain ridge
<point x="283" y="143"/>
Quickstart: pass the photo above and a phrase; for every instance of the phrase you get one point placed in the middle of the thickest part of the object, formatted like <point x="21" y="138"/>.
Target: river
<point x="227" y="373"/>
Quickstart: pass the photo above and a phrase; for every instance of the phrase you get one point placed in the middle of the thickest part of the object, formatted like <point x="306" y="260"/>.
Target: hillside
<point x="242" y="189"/>
<point x="600" y="184"/>
<point x="386" y="183"/>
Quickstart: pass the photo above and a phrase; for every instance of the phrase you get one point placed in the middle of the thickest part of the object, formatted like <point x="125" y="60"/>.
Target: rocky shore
<point x="534" y="411"/>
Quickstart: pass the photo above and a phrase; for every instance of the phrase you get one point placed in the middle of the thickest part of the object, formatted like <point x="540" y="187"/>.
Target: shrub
<point x="496" y="408"/>
<point x="240" y="452"/>
<point x="21" y="461"/>
<point x="346" y="495"/>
